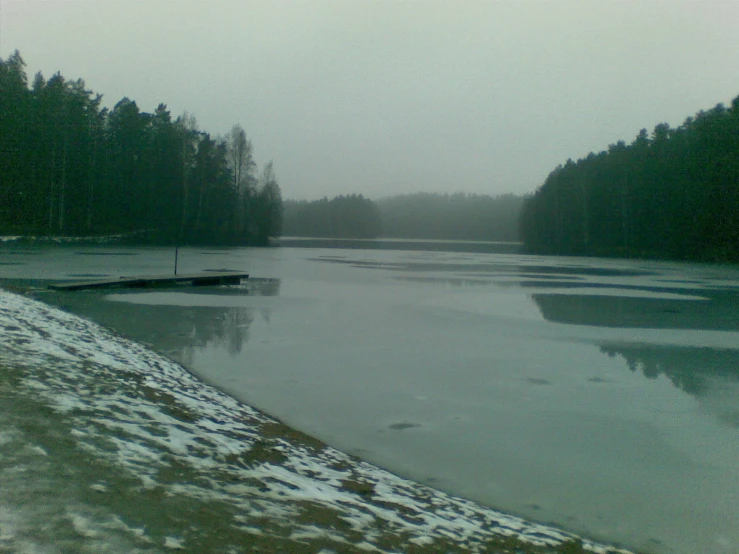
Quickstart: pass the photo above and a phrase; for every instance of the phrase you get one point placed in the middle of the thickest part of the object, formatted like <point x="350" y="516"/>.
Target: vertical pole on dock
<point x="176" y="252"/>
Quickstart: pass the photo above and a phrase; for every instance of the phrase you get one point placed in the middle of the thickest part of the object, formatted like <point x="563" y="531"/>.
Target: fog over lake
<point x="600" y="395"/>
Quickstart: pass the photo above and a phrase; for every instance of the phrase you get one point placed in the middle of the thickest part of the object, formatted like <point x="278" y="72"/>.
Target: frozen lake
<point x="600" y="395"/>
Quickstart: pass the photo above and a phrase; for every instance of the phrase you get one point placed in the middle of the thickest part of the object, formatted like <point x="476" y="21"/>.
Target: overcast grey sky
<point x="382" y="97"/>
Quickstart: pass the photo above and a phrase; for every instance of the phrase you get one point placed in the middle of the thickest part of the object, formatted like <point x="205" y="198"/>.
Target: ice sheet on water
<point x="126" y="449"/>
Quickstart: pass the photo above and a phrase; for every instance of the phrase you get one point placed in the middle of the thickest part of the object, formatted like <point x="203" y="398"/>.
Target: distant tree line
<point x="70" y="167"/>
<point x="456" y="216"/>
<point x="352" y="216"/>
<point x="672" y="194"/>
<point x="422" y="216"/>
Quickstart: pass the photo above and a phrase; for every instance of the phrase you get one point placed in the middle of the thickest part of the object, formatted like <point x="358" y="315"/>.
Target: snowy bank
<point x="121" y="449"/>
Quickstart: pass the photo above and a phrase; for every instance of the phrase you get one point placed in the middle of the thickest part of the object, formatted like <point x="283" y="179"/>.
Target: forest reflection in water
<point x="699" y="309"/>
<point x="176" y="329"/>
<point x="614" y="298"/>
<point x="711" y="375"/>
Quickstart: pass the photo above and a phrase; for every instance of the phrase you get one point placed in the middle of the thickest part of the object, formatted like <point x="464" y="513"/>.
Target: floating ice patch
<point x="205" y="300"/>
<point x="622" y="292"/>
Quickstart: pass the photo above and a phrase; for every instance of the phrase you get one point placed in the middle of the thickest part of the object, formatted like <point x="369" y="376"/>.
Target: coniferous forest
<point x="352" y="216"/>
<point x="70" y="167"/>
<point x="457" y="216"/>
<point x="422" y="215"/>
<point x="672" y="194"/>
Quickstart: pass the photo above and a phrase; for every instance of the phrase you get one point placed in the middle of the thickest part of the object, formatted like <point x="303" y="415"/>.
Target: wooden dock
<point x="192" y="279"/>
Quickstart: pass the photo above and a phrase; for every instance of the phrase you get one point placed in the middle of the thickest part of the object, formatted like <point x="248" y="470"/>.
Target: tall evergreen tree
<point x="70" y="167"/>
<point x="671" y="194"/>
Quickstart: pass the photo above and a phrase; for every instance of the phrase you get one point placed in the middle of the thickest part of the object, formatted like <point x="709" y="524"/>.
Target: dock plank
<point x="145" y="281"/>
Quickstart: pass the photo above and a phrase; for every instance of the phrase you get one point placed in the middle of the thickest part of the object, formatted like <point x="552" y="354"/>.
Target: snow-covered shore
<point x="108" y="444"/>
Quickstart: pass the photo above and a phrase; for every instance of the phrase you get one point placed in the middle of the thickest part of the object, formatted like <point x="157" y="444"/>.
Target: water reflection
<point x="494" y="268"/>
<point x="709" y="374"/>
<point x="500" y="279"/>
<point x="717" y="313"/>
<point x="176" y="330"/>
